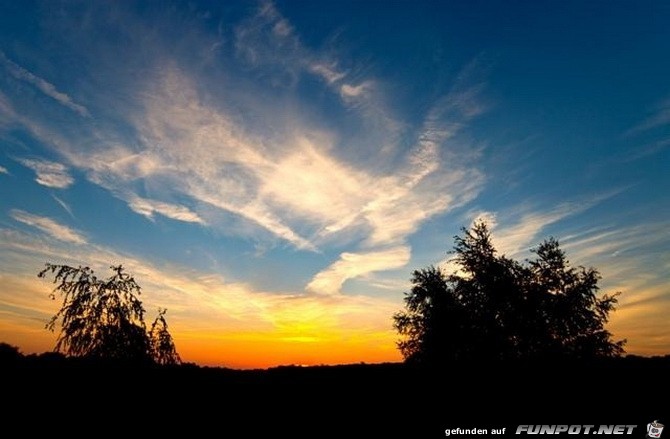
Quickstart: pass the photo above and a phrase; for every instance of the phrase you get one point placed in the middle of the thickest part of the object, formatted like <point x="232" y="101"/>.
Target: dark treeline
<point x="377" y="400"/>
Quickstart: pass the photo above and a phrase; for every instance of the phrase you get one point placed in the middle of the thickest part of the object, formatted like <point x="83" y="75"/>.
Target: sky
<point x="272" y="172"/>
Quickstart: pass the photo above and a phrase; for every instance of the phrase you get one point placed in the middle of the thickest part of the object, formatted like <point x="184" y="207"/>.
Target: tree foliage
<point x="497" y="308"/>
<point x="162" y="346"/>
<point x="104" y="318"/>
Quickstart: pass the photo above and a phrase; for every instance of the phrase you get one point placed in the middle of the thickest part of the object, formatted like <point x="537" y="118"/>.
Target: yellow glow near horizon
<point x="247" y="350"/>
<point x="217" y="323"/>
<point x="262" y="350"/>
<point x="250" y="350"/>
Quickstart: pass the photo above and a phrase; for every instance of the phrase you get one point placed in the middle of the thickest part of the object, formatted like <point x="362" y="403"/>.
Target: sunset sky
<point x="272" y="172"/>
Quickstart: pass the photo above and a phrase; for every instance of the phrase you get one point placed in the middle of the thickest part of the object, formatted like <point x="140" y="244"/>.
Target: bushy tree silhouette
<point x="104" y="319"/>
<point x="497" y="308"/>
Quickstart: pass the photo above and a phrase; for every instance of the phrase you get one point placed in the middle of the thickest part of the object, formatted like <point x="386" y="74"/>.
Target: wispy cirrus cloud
<point x="625" y="255"/>
<point x="515" y="233"/>
<point x="50" y="174"/>
<point x="283" y="183"/>
<point x="3" y="170"/>
<point x="50" y="227"/>
<point x="328" y="71"/>
<point x="353" y="265"/>
<point x="64" y="205"/>
<point x="660" y="117"/>
<point x="304" y="182"/>
<point x="657" y="120"/>
<point x="267" y="39"/>
<point x="41" y="84"/>
<point x="147" y="208"/>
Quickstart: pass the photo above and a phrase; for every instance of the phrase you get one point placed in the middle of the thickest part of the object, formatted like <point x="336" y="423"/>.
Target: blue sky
<point x="273" y="172"/>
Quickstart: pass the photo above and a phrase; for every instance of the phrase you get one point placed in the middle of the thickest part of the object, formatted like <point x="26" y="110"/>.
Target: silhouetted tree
<point x="162" y="345"/>
<point x="104" y="318"/>
<point x="498" y="308"/>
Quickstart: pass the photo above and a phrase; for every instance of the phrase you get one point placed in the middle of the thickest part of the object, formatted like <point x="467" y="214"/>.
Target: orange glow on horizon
<point x="307" y="330"/>
<point x="247" y="350"/>
<point x="263" y="350"/>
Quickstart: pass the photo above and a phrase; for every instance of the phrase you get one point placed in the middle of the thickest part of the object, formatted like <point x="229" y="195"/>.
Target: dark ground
<point x="386" y="400"/>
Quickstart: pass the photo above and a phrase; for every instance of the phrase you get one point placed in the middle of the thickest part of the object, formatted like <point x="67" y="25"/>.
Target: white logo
<point x="654" y="429"/>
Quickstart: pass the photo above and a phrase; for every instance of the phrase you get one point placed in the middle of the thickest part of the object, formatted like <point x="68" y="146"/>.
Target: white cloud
<point x="45" y="87"/>
<point x="488" y="218"/>
<point x="353" y="91"/>
<point x="64" y="205"/>
<point x="326" y="71"/>
<point x="293" y="183"/>
<point x="50" y="174"/>
<point x="7" y="112"/>
<point x="148" y="207"/>
<point x="301" y="180"/>
<point x="515" y="234"/>
<point x="3" y="170"/>
<point x="267" y="39"/>
<point x="517" y="238"/>
<point x="353" y="265"/>
<point x="282" y="28"/>
<point x="49" y="226"/>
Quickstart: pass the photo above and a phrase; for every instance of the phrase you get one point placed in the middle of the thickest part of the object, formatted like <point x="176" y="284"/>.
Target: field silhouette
<point x="380" y="400"/>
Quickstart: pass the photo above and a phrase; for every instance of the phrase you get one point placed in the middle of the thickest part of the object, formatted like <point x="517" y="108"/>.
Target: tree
<point x="498" y="308"/>
<point x="162" y="346"/>
<point x="104" y="318"/>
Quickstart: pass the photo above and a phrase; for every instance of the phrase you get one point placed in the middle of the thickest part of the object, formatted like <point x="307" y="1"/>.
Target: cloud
<point x="488" y="218"/>
<point x="267" y="39"/>
<point x="352" y="265"/>
<point x="302" y="183"/>
<point x="148" y="207"/>
<point x="268" y="42"/>
<point x="48" y="226"/>
<point x="327" y="71"/>
<point x="50" y="174"/>
<point x="631" y="260"/>
<point x="45" y="87"/>
<point x="295" y="180"/>
<point x="515" y="233"/>
<point x="660" y="118"/>
<point x="349" y="91"/>
<point x="270" y="165"/>
<point x="3" y="170"/>
<point x="63" y="204"/>
<point x="516" y="238"/>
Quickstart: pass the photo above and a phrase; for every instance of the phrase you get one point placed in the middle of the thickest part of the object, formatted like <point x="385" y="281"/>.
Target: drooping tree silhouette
<point x="497" y="308"/>
<point x="104" y="319"/>
<point x="162" y="345"/>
